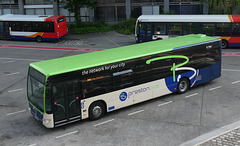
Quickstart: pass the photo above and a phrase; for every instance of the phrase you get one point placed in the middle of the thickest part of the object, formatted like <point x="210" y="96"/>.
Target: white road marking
<point x="104" y="122"/>
<point x="16" y="112"/>
<point x="15" y="90"/>
<point x="136" y="112"/>
<point x="165" y="103"/>
<point x="66" y="134"/>
<point x="32" y="144"/>
<point x="22" y="59"/>
<point x="236" y="82"/>
<point x="231" y="70"/>
<point x="191" y="95"/>
<point x="13" y="74"/>
<point x="215" y="88"/>
<point x="8" y="61"/>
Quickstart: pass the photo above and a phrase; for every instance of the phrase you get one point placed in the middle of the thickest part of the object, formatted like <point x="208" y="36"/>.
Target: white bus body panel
<point x="135" y="94"/>
<point x="184" y="18"/>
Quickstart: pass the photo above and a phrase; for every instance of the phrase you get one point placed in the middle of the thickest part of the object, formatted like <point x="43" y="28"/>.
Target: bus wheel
<point x="39" y="39"/>
<point x="96" y="110"/>
<point x="224" y="44"/>
<point x="183" y="85"/>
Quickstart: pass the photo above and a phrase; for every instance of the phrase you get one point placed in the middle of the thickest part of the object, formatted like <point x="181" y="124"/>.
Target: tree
<point x="74" y="6"/>
<point x="222" y="6"/>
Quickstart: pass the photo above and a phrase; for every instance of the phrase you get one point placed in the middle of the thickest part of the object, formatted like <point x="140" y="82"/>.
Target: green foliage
<point x="89" y="27"/>
<point x="75" y="5"/>
<point x="124" y="27"/>
<point x="222" y="6"/>
<point x="171" y="12"/>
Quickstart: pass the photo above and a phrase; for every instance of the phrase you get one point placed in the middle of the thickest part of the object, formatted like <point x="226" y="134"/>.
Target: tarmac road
<point x="166" y="121"/>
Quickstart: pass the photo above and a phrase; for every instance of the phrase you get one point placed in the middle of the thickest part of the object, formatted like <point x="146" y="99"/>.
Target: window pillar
<point x="56" y="7"/>
<point x="128" y="9"/>
<point x="21" y="6"/>
<point x="205" y="7"/>
<point x="166" y="6"/>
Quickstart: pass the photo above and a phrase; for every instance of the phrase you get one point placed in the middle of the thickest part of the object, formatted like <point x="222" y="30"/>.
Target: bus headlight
<point x="46" y="121"/>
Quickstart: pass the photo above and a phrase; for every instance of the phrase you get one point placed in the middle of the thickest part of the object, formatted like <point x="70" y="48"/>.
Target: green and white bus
<point x="69" y="89"/>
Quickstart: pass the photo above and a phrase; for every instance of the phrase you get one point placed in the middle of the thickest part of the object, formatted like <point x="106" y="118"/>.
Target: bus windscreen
<point x="35" y="90"/>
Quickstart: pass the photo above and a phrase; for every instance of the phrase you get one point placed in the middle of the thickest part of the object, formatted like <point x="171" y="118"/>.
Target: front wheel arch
<point x="97" y="110"/>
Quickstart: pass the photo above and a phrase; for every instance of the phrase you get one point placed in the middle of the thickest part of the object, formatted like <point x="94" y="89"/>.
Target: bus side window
<point x="236" y="29"/>
<point x="223" y="29"/>
<point x="123" y="78"/>
<point x="186" y="28"/>
<point x="194" y="28"/>
<point x="208" y="29"/>
<point x="48" y="26"/>
<point x="174" y="29"/>
<point x="160" y="28"/>
<point x="27" y="26"/>
<point x="37" y="26"/>
<point x="159" y="69"/>
<point x="95" y="85"/>
<point x="16" y="26"/>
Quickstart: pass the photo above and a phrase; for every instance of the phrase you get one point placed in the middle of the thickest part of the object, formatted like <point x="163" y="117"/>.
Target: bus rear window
<point x="61" y="19"/>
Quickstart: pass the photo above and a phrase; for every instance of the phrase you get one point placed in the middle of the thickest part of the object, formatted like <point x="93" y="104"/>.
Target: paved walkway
<point x="225" y="136"/>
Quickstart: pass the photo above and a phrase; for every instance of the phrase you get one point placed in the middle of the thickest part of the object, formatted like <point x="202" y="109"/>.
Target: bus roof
<point x="11" y="17"/>
<point x="94" y="59"/>
<point x="189" y="18"/>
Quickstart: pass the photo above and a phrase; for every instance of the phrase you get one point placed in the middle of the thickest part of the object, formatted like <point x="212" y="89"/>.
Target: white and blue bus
<point x="69" y="89"/>
<point x="155" y="27"/>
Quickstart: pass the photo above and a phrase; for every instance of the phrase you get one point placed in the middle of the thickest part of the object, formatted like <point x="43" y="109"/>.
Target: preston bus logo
<point x="123" y="96"/>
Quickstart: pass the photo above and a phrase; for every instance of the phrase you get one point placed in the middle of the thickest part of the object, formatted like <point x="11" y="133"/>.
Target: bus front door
<point x="4" y="30"/>
<point x="66" y="101"/>
<point x="145" y="32"/>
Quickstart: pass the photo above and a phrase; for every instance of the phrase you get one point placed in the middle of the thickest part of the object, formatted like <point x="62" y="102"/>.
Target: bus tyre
<point x="96" y="110"/>
<point x="183" y="85"/>
<point x="39" y="39"/>
<point x="224" y="44"/>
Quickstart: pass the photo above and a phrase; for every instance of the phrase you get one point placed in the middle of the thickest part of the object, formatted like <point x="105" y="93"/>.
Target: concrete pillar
<point x="166" y="6"/>
<point x="56" y="7"/>
<point x="206" y="7"/>
<point x="128" y="9"/>
<point x="21" y="7"/>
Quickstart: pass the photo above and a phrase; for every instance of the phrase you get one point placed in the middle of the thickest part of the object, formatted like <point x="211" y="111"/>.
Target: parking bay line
<point x="15" y="90"/>
<point x="191" y="95"/>
<point x="104" y="122"/>
<point x="215" y="88"/>
<point x="13" y="74"/>
<point x="230" y="70"/>
<point x="8" y="61"/>
<point x="165" y="103"/>
<point x="235" y="82"/>
<point x="21" y="59"/>
<point x="136" y="112"/>
<point x="67" y="134"/>
<point x="17" y="112"/>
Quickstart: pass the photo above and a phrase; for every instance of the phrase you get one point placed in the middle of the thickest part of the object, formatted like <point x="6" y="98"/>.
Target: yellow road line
<point x="83" y="42"/>
<point x="112" y="41"/>
<point x="131" y="37"/>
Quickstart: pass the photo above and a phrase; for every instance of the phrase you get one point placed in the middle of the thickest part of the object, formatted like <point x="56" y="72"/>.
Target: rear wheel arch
<point x="225" y="43"/>
<point x="183" y="85"/>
